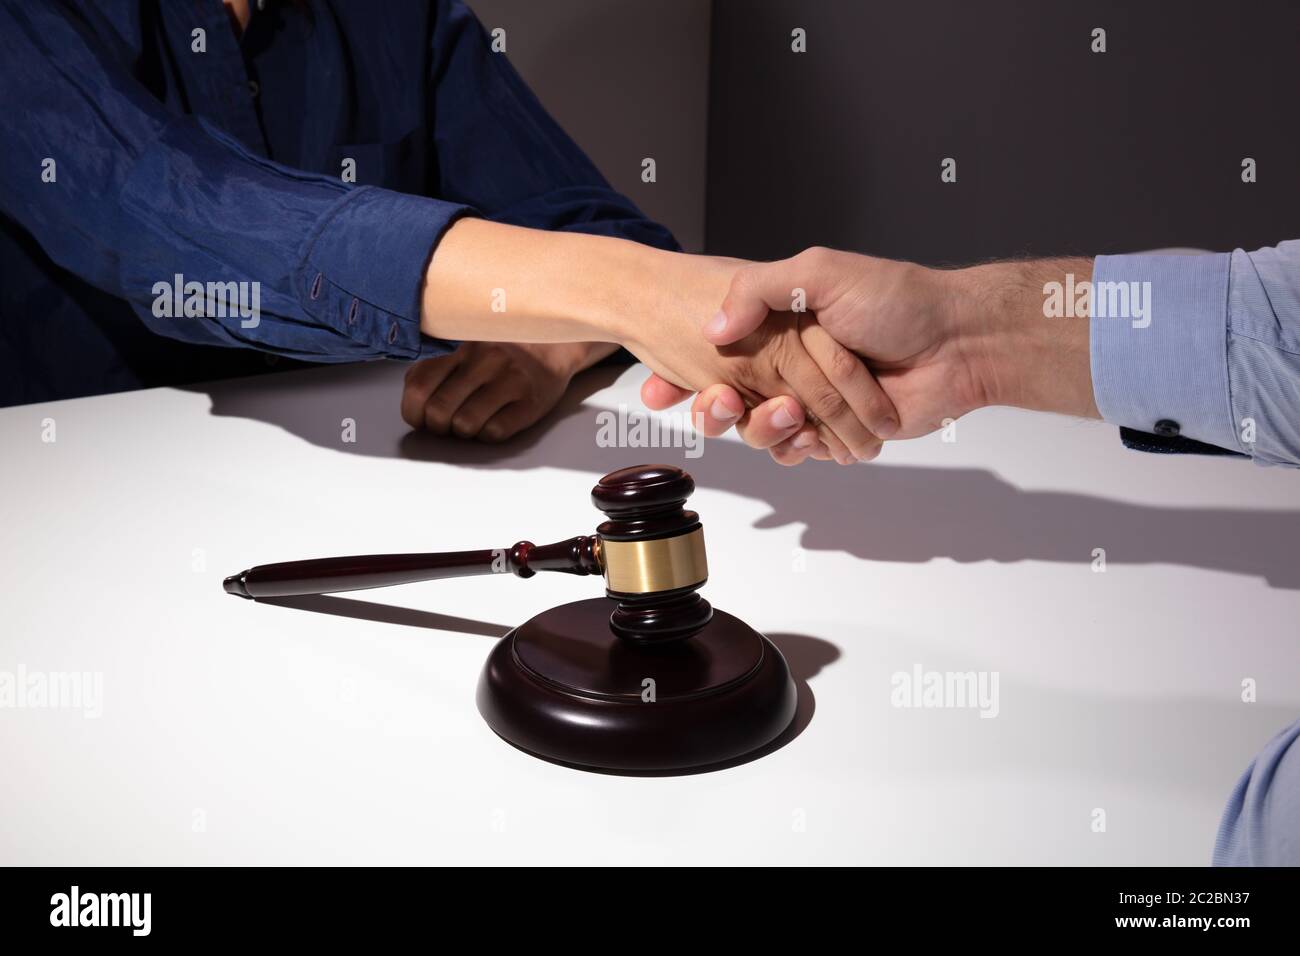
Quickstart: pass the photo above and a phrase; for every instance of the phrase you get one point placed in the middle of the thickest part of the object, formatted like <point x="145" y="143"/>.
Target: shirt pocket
<point x="399" y="164"/>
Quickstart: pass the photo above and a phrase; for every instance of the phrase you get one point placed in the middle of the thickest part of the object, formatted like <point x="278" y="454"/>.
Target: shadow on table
<point x="386" y="614"/>
<point x="1043" y="730"/>
<point x="878" y="512"/>
<point x="1127" y="742"/>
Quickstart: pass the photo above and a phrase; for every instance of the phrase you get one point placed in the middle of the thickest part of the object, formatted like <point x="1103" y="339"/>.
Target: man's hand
<point x="940" y="343"/>
<point x="492" y="282"/>
<point x="790" y="359"/>
<point x="492" y="390"/>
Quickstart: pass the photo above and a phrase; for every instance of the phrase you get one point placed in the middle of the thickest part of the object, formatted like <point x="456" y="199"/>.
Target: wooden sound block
<point x="564" y="687"/>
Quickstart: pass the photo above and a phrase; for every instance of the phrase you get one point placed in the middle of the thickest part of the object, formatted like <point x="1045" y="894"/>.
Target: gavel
<point x="650" y="551"/>
<point x="565" y="688"/>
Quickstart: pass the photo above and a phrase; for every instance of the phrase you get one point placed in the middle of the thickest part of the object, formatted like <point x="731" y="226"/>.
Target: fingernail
<point x="718" y="324"/>
<point x="887" y="428"/>
<point x="722" y="413"/>
<point x="782" y="418"/>
<point x="804" y="439"/>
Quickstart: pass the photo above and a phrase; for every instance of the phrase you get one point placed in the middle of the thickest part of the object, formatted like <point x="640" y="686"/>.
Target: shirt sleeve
<point x="1206" y="346"/>
<point x="133" y="199"/>
<point x="501" y="152"/>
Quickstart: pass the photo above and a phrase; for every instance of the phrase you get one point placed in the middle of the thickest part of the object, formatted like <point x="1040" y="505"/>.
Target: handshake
<point x="825" y="355"/>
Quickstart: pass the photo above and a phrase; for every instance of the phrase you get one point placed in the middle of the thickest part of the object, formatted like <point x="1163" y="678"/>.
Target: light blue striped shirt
<point x="1211" y="342"/>
<point x="1261" y="824"/>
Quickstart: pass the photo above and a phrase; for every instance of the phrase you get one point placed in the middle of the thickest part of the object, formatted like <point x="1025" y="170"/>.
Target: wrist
<point x="1020" y="349"/>
<point x="653" y="293"/>
<point x="667" y="297"/>
<point x="567" y="359"/>
<point x="615" y="290"/>
<point x="590" y="353"/>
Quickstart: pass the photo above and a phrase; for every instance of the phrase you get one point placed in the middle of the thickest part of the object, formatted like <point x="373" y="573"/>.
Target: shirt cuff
<point x="1158" y="341"/>
<point x="365" y="269"/>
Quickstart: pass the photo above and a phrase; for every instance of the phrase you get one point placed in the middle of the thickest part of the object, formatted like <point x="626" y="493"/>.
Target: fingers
<point x="778" y="425"/>
<point x="713" y="412"/>
<point x="789" y="454"/>
<point x="446" y="400"/>
<point x="488" y="391"/>
<point x="422" y="379"/>
<point x="716" y="409"/>
<point x="763" y="287"/>
<point x="853" y="380"/>
<point x="469" y="420"/>
<point x="778" y="421"/>
<point x="843" y="432"/>
<point x="658" y="394"/>
<point x="775" y="421"/>
<point x="509" y="420"/>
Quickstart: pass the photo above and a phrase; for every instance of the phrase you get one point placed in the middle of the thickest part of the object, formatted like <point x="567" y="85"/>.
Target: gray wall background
<point x="1058" y="149"/>
<point x="627" y="80"/>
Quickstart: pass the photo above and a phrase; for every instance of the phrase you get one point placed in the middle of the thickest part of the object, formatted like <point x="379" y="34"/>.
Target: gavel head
<point x="652" y="554"/>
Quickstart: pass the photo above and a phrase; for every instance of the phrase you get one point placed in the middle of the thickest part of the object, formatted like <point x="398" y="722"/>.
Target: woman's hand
<point x="492" y="390"/>
<point x="489" y="281"/>
<point x="789" y="355"/>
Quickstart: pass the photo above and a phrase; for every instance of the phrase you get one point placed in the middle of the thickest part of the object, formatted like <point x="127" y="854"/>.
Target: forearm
<point x="490" y="282"/>
<point x="1017" y="354"/>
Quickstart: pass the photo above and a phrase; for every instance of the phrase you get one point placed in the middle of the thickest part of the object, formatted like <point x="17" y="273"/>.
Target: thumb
<point x="757" y="289"/>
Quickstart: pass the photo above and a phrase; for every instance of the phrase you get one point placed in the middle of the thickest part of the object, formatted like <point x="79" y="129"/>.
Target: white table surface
<point x="235" y="732"/>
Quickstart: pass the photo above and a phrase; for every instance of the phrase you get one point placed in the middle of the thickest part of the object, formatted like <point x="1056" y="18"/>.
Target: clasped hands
<point x="875" y="350"/>
<point x="825" y="355"/>
<point x="869" y="349"/>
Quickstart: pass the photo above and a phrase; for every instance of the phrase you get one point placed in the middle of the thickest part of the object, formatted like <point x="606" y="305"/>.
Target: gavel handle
<point x="325" y="575"/>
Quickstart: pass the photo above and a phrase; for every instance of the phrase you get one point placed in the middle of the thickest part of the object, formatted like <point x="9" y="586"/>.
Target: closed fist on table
<point x="491" y="391"/>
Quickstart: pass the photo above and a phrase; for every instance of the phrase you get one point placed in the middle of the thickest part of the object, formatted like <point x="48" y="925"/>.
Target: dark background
<point x="1059" y="150"/>
<point x="626" y="79"/>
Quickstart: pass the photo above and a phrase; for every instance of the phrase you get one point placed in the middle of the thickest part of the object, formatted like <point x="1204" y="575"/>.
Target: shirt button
<point x="352" y="313"/>
<point x="1167" y="428"/>
<point x="261" y="4"/>
<point x="392" y="334"/>
<point x="253" y="88"/>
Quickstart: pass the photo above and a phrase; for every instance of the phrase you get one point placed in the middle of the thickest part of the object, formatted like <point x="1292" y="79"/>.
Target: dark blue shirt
<point x="140" y="151"/>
